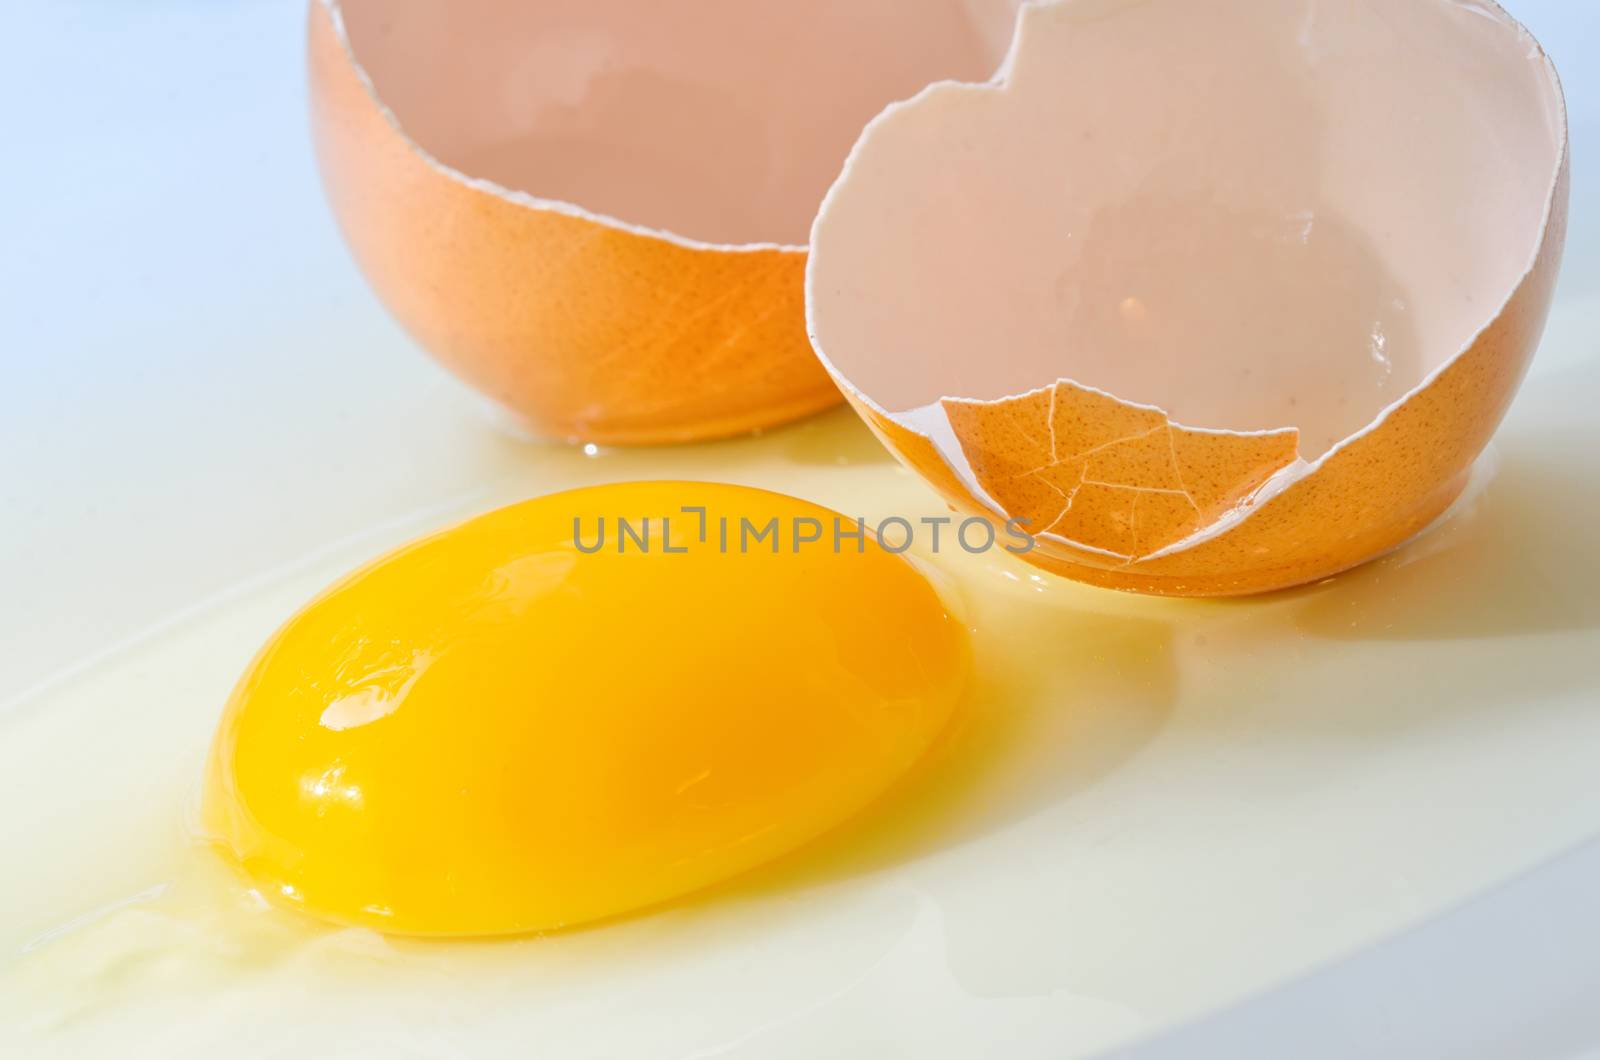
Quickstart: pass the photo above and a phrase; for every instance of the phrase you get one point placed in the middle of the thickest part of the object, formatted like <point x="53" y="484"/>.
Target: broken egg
<point x="595" y="211"/>
<point x="580" y="706"/>
<point x="1214" y="296"/>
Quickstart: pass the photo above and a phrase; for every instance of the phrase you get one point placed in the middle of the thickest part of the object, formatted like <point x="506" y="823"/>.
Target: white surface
<point x="199" y="391"/>
<point x="1512" y="974"/>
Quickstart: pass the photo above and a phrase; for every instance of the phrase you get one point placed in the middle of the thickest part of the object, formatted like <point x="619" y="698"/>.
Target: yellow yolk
<point x="495" y="730"/>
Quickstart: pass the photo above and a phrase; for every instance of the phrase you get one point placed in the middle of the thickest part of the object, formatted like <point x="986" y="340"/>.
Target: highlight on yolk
<point x="494" y="730"/>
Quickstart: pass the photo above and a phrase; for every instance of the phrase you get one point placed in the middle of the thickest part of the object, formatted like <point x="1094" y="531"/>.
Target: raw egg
<point x="1215" y="296"/>
<point x="579" y="706"/>
<point x="595" y="211"/>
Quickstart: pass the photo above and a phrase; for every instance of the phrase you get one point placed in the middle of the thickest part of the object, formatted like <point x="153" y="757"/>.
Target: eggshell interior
<point x="722" y="121"/>
<point x="1183" y="255"/>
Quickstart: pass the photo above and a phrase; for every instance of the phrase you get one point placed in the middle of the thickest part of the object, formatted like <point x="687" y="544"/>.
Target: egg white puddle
<point x="1156" y="807"/>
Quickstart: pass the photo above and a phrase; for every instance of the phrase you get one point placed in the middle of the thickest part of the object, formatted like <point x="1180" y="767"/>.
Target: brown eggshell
<point x="1122" y="491"/>
<point x="585" y="327"/>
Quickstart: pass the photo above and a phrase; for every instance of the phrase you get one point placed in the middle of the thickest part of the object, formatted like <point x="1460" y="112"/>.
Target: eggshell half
<point x="1216" y="296"/>
<point x="594" y="211"/>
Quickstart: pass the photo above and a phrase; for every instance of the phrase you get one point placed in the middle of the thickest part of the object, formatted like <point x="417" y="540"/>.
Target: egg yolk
<point x="578" y="706"/>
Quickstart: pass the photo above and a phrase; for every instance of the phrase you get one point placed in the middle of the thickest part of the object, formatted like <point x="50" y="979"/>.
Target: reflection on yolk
<point x="494" y="731"/>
